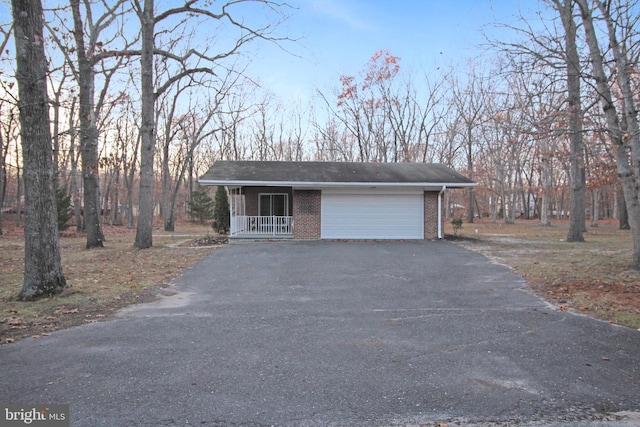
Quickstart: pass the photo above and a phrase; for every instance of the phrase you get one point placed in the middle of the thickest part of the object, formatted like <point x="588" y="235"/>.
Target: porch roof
<point x="332" y="174"/>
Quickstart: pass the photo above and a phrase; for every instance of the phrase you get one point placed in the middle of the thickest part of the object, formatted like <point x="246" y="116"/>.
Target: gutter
<point x="319" y="184"/>
<point x="440" y="235"/>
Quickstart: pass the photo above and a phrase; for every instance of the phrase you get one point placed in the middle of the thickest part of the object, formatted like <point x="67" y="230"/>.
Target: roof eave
<point x="306" y="184"/>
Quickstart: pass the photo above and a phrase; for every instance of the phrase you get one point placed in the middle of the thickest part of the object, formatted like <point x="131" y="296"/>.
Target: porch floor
<point x="261" y="236"/>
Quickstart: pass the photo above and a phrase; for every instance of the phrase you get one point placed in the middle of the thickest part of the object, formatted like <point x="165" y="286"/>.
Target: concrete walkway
<point x="330" y="334"/>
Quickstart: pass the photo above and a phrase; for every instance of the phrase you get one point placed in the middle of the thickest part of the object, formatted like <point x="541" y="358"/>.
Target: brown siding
<point x="306" y="214"/>
<point x="431" y="215"/>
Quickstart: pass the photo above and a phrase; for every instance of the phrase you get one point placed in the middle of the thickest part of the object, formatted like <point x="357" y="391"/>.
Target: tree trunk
<point x="107" y="196"/>
<point x="88" y="136"/>
<point x="129" y="175"/>
<point x="168" y="212"/>
<point x="167" y="200"/>
<point x="144" y="230"/>
<point x="43" y="273"/>
<point x="19" y="189"/>
<point x="116" y="219"/>
<point x="190" y="178"/>
<point x="170" y="222"/>
<point x="494" y="208"/>
<point x="73" y="180"/>
<point x="545" y="177"/>
<point x="176" y="189"/>
<point x="595" y="207"/>
<point x="3" y="176"/>
<point x="470" y="213"/>
<point x="129" y="204"/>
<point x="622" y="211"/>
<point x="503" y="203"/>
<point x="577" y="221"/>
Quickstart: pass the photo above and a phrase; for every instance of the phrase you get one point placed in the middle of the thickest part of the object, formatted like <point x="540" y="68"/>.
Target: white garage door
<point x="372" y="216"/>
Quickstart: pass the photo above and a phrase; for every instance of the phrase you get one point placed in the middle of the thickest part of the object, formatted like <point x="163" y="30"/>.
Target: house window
<point x="274" y="204"/>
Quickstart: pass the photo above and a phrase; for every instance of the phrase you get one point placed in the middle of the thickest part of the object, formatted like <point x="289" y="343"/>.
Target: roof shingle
<point x="291" y="173"/>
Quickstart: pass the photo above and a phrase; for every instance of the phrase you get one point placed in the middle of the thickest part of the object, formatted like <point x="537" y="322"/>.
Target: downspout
<point x="440" y="235"/>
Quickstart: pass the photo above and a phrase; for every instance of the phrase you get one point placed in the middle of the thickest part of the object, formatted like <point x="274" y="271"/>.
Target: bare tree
<point x="412" y="117"/>
<point x="332" y="142"/>
<point x="469" y="101"/>
<point x="577" y="225"/>
<point x="545" y="50"/>
<point x="621" y="116"/>
<point x="274" y="133"/>
<point x="183" y="133"/>
<point x="263" y="130"/>
<point x="4" y="143"/>
<point x="539" y="100"/>
<point x="190" y="62"/>
<point x="43" y="273"/>
<point x="4" y="149"/>
<point x="544" y="112"/>
<point x="88" y="57"/>
<point x="97" y="33"/>
<point x="74" y="185"/>
<point x="9" y="128"/>
<point x="127" y="144"/>
<point x="293" y="136"/>
<point x="354" y="115"/>
<point x="237" y="109"/>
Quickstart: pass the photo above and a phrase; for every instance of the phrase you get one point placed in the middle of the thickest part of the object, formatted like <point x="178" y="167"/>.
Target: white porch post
<point x="440" y="235"/>
<point x="233" y="209"/>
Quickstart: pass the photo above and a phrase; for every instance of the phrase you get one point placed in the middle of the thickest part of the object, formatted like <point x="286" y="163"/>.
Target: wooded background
<point x="143" y="101"/>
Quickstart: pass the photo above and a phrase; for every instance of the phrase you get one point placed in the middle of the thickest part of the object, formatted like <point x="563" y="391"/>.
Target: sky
<point x="338" y="37"/>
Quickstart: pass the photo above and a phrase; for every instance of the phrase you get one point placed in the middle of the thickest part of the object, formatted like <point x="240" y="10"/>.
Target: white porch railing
<point x="261" y="225"/>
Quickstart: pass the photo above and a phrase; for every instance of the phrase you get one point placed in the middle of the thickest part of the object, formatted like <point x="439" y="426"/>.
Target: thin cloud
<point x="344" y="11"/>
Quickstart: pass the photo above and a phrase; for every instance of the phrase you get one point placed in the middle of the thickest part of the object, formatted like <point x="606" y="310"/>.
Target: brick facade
<point x="431" y="215"/>
<point x="306" y="210"/>
<point x="306" y="214"/>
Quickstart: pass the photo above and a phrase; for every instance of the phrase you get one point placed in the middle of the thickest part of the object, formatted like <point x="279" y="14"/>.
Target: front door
<point x="274" y="204"/>
<point x="274" y="213"/>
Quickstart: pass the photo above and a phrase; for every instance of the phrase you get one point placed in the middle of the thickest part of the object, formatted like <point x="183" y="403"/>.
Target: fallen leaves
<point x="65" y="310"/>
<point x="93" y="318"/>
<point x="44" y="334"/>
<point x="615" y="302"/>
<point x="12" y="321"/>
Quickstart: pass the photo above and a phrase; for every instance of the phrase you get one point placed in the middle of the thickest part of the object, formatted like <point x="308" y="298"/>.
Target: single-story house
<point x="335" y="200"/>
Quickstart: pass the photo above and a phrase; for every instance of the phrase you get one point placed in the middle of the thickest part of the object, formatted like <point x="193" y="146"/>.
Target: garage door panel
<point x="372" y="216"/>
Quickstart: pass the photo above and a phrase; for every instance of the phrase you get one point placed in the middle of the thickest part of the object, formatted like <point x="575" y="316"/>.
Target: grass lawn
<point x="99" y="281"/>
<point x="591" y="277"/>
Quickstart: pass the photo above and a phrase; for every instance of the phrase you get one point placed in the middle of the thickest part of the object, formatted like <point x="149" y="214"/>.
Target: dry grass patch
<point x="591" y="277"/>
<point x="99" y="281"/>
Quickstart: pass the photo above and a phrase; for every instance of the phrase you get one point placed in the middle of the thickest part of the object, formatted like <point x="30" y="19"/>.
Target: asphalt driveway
<point x="335" y="333"/>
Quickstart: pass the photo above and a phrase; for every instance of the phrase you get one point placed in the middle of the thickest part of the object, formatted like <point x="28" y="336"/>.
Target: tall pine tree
<point x="221" y="211"/>
<point x="63" y="204"/>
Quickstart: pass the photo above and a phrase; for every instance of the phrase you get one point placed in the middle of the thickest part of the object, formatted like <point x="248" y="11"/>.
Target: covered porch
<point x="261" y="212"/>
